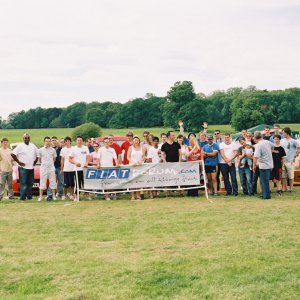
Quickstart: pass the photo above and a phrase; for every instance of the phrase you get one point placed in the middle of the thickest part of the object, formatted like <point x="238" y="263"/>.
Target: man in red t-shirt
<point x="117" y="148"/>
<point x="125" y="146"/>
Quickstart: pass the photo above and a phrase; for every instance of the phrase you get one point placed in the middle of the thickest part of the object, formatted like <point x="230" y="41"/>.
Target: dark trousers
<point x="26" y="177"/>
<point x="218" y="177"/>
<point x="264" y="182"/>
<point x="254" y="180"/>
<point x="80" y="179"/>
<point x="227" y="170"/>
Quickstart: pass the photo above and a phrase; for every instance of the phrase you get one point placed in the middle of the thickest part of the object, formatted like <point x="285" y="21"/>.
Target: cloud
<point x="54" y="53"/>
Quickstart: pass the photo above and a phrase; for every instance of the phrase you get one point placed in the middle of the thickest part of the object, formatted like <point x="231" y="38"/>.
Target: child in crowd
<point x="248" y="150"/>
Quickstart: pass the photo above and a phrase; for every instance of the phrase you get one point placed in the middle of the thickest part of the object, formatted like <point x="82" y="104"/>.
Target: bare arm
<point x="129" y="154"/>
<point x="16" y="160"/>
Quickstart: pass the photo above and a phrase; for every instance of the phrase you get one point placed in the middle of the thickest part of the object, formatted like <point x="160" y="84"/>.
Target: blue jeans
<point x="254" y="180"/>
<point x="264" y="182"/>
<point x="26" y="177"/>
<point x="246" y="180"/>
<point x="59" y="184"/>
<point x="226" y="170"/>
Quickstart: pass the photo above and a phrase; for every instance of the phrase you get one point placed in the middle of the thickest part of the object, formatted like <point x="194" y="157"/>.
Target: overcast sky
<point x="54" y="53"/>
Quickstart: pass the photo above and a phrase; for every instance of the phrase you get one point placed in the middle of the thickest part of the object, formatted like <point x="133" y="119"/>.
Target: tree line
<point x="243" y="108"/>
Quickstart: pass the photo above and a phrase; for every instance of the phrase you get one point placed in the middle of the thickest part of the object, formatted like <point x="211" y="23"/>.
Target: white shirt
<point x="26" y="154"/>
<point x="154" y="154"/>
<point x="47" y="156"/>
<point x="65" y="153"/>
<point x="228" y="151"/>
<point x="106" y="157"/>
<point x="80" y="155"/>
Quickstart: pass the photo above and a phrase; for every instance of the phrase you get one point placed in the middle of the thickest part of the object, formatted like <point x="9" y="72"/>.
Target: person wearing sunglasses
<point x="125" y="146"/>
<point x="25" y="155"/>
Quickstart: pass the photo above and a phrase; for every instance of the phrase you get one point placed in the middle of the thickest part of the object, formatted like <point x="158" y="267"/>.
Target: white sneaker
<point x="57" y="195"/>
<point x="63" y="198"/>
<point x="54" y="198"/>
<point x="107" y="199"/>
<point x="40" y="199"/>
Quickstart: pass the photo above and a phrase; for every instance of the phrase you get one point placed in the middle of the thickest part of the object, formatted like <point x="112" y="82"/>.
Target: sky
<point x="54" y="53"/>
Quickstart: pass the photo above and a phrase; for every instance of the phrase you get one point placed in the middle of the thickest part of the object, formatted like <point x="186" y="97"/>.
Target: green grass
<point x="37" y="135"/>
<point x="176" y="248"/>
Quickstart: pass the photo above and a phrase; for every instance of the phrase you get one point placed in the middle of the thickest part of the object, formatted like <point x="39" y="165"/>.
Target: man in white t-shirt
<point x="79" y="156"/>
<point x="154" y="153"/>
<point x="25" y="155"/>
<point x="107" y="156"/>
<point x="68" y="169"/>
<point x="47" y="156"/>
<point x="228" y="153"/>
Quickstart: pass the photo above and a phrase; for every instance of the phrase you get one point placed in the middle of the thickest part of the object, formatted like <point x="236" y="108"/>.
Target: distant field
<point x="37" y="135"/>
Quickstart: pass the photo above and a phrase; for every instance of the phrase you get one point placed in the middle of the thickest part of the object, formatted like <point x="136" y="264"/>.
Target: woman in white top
<point x="136" y="156"/>
<point x="184" y="147"/>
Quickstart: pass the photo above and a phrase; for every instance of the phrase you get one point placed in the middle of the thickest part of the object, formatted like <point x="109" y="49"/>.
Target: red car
<point x="117" y="139"/>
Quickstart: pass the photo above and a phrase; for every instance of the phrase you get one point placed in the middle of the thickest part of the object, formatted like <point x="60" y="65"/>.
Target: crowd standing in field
<point x="268" y="157"/>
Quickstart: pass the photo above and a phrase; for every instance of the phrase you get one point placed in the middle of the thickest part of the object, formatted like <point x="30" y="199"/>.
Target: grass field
<point x="175" y="248"/>
<point x="37" y="135"/>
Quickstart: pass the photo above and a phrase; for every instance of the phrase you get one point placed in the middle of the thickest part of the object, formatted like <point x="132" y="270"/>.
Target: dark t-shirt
<point x="267" y="137"/>
<point x="57" y="160"/>
<point x="171" y="150"/>
<point x="278" y="153"/>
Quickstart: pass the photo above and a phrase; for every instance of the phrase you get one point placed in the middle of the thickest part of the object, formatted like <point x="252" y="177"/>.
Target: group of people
<point x="268" y="157"/>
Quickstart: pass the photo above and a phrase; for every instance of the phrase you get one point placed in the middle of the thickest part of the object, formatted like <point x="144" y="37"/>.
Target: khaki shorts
<point x="288" y="170"/>
<point x="45" y="174"/>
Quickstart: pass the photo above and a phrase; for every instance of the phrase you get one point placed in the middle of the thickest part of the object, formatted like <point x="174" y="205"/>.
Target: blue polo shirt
<point x="211" y="161"/>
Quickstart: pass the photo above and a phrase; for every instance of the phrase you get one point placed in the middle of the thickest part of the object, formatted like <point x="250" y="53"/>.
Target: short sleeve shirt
<point x="154" y="154"/>
<point x="290" y="147"/>
<point x="80" y="155"/>
<point x="65" y="153"/>
<point x="229" y="150"/>
<point x="171" y="151"/>
<point x="263" y="152"/>
<point x="211" y="161"/>
<point x="26" y="154"/>
<point x="47" y="156"/>
<point x="107" y="156"/>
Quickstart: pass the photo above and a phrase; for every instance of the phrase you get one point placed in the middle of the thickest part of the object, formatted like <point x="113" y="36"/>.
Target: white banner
<point x="183" y="174"/>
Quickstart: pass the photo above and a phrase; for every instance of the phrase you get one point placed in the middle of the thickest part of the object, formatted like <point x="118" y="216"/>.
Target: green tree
<point x="87" y="130"/>
<point x="246" y="112"/>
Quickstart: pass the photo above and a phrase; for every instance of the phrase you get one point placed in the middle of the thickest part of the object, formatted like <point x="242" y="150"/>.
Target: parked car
<point x="117" y="139"/>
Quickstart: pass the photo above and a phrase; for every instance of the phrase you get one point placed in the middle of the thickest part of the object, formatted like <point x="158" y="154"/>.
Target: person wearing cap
<point x="125" y="146"/>
<point x="25" y="155"/>
<point x="245" y="171"/>
<point x="6" y="168"/>
<point x="210" y="154"/>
